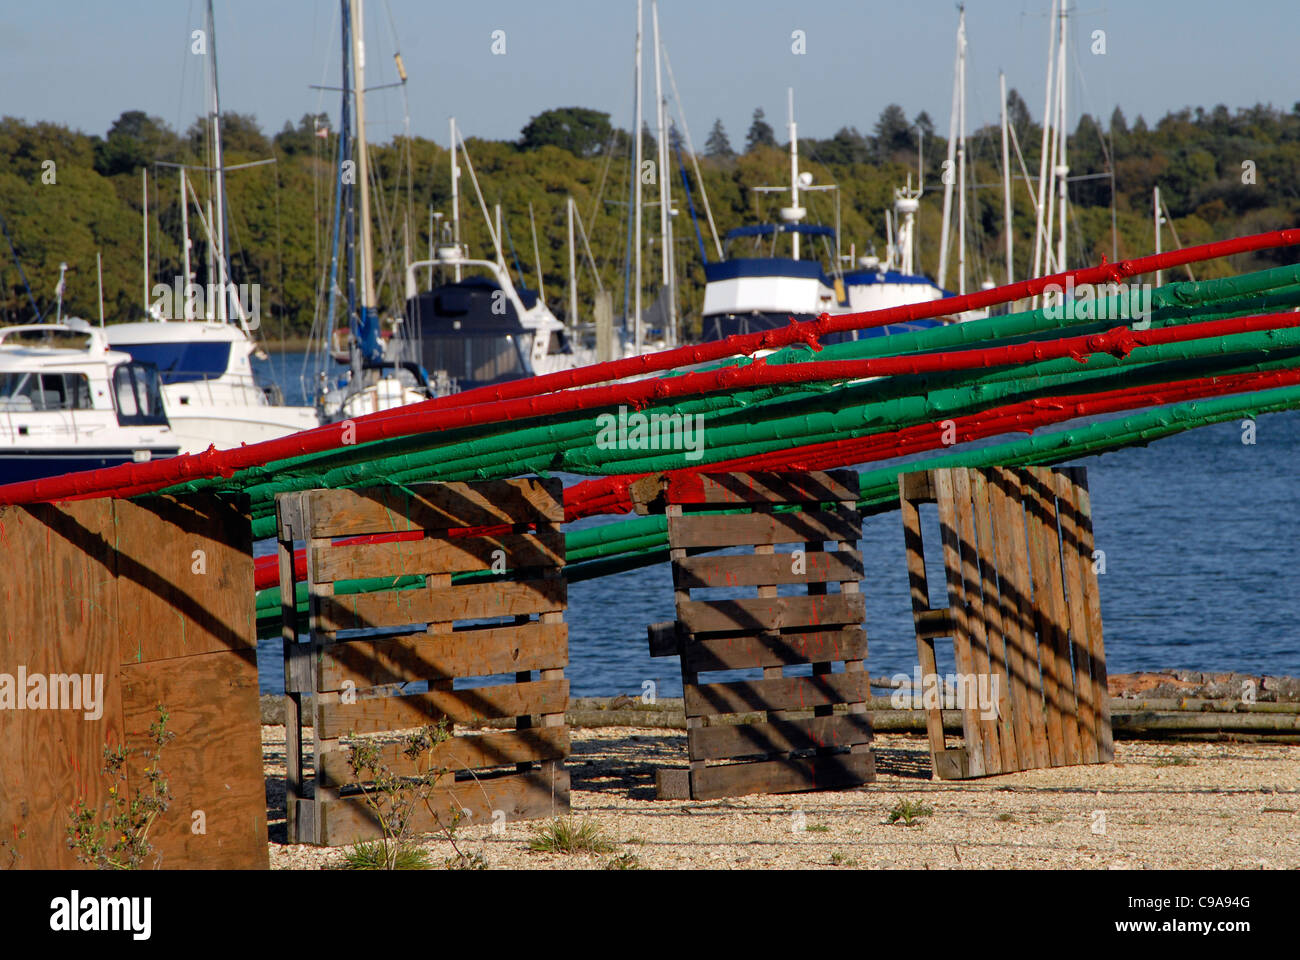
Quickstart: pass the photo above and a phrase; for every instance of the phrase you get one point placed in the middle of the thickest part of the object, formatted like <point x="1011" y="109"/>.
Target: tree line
<point x="66" y="195"/>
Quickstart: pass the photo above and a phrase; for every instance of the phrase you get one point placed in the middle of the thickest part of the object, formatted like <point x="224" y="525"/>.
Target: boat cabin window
<point x="137" y="391"/>
<point x="477" y="359"/>
<point x="182" y="361"/>
<point x="559" y="343"/>
<point x="44" y="391"/>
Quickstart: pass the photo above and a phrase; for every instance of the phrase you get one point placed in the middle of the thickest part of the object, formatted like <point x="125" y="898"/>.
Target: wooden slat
<point x="434" y="506"/>
<point x="473" y="752"/>
<point x="770" y="650"/>
<point x="1071" y="561"/>
<point x="521" y="796"/>
<point x="784" y="693"/>
<point x="910" y="486"/>
<point x="987" y="551"/>
<point x="1092" y="603"/>
<point x="463" y="653"/>
<point x="467" y="601"/>
<point x="1054" y="618"/>
<point x="814" y="566"/>
<point x="788" y="775"/>
<point x="463" y="706"/>
<point x="747" y="529"/>
<point x="781" y="736"/>
<point x="431" y="555"/>
<point x="951" y="505"/>
<point x="763" y="487"/>
<point x="771" y="613"/>
<point x="1018" y="624"/>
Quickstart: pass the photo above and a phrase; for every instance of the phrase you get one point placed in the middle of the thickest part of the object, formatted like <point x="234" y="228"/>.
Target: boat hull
<point x="18" y="465"/>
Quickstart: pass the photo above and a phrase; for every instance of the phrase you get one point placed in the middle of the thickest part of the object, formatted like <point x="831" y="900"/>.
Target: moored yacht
<point x="68" y="402"/>
<point x="209" y="390"/>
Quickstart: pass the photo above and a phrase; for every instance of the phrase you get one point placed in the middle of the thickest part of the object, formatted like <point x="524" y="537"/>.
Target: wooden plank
<point x="1018" y="625"/>
<point x="508" y="551"/>
<point x="771" y="613"/>
<point x="434" y="506"/>
<point x="462" y="653"/>
<point x="784" y="693"/>
<point x="811" y="566"/>
<point x="466" y="601"/>
<point x="747" y="529"/>
<point x="472" y="752"/>
<point x="723" y="489"/>
<point x="59" y="606"/>
<point x="1036" y="511"/>
<point x="475" y="705"/>
<point x="183" y="576"/>
<point x="520" y="796"/>
<point x="1071" y="561"/>
<point x="769" y="649"/>
<point x="1055" y="615"/>
<point x="910" y="485"/>
<point x="976" y="623"/>
<point x="1092" y="603"/>
<point x="213" y="767"/>
<point x="787" y="775"/>
<point x="781" y="736"/>
<point x="952" y="506"/>
<point x="987" y="556"/>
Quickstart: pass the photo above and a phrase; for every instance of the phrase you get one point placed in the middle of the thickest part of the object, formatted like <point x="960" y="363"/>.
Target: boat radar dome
<point x="805" y="179"/>
<point x="869" y="262"/>
<point x="793" y="214"/>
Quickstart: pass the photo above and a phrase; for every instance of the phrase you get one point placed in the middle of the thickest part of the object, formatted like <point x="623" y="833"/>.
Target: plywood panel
<point x="213" y="767"/>
<point x="184" y="574"/>
<point x="58" y="603"/>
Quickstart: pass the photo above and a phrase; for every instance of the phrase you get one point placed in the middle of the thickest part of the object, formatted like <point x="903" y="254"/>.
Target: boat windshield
<point x="31" y="390"/>
<point x="472" y="358"/>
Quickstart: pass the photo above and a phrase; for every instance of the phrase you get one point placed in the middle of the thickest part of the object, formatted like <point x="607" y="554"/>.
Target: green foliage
<point x="117" y="838"/>
<point x="393" y="798"/>
<point x="909" y="812"/>
<point x="583" y="132"/>
<point x="280" y="214"/>
<point x="566" y="835"/>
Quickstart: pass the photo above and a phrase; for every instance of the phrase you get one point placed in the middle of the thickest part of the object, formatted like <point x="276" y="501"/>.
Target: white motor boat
<point x="68" y="403"/>
<point x="209" y="391"/>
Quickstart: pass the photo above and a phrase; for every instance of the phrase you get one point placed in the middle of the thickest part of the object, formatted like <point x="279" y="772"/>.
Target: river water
<point x="1201" y="535"/>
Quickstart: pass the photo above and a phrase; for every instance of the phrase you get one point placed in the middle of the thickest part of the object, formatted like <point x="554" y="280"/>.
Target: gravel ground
<point x="1159" y="805"/>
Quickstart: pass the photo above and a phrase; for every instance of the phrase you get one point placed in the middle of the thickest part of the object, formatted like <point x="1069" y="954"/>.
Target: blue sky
<point x="83" y="62"/>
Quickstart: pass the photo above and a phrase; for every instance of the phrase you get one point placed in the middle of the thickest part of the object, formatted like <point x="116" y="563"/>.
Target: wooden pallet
<point x="1023" y="614"/>
<point x="362" y="647"/>
<point x="790" y="750"/>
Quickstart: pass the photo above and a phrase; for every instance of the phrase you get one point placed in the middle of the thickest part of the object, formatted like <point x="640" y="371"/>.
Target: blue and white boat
<point x="748" y="294"/>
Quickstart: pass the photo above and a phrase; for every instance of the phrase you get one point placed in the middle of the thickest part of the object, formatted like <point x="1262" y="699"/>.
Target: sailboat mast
<point x="638" y="335"/>
<point x="949" y="168"/>
<point x="185" y="247"/>
<point x="1006" y="173"/>
<point x="961" y="152"/>
<point x="1063" y="168"/>
<point x="665" y="181"/>
<point x="363" y="159"/>
<point x="794" y="171"/>
<point x="1041" y="239"/>
<point x="455" y="197"/>
<point x="218" y="171"/>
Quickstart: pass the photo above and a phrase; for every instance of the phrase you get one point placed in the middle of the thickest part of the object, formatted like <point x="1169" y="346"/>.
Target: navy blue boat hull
<point x="17" y="465"/>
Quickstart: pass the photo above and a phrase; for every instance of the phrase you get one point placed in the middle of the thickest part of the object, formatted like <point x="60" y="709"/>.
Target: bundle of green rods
<point x="746" y="423"/>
